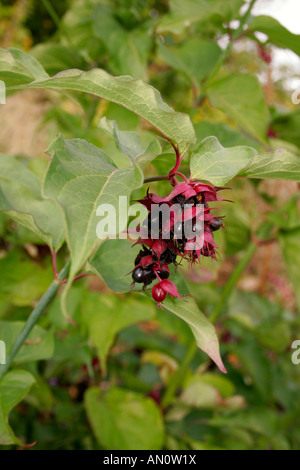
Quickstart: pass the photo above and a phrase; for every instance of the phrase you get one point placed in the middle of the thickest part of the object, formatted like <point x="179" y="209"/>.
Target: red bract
<point x="187" y="233"/>
<point x="160" y="291"/>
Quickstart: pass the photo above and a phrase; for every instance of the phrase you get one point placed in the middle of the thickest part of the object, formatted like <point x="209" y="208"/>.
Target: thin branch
<point x="34" y="317"/>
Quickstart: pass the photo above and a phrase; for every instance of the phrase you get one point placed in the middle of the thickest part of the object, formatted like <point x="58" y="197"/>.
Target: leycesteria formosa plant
<point x="80" y="178"/>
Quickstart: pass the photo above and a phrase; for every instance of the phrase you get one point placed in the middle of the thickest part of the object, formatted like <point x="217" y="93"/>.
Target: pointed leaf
<point x="201" y="327"/>
<point x="135" y="95"/>
<point x="212" y="162"/>
<point x="17" y="67"/>
<point x="280" y="164"/>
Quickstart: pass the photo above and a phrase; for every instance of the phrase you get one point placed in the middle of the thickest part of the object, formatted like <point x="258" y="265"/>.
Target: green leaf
<point x="212" y="162"/>
<point x="21" y="199"/>
<point x="124" y="420"/>
<point x="201" y="327"/>
<point x="277" y="34"/>
<point x="290" y="245"/>
<point x="280" y="164"/>
<point x="106" y="315"/>
<point x="183" y="14"/>
<point x="195" y="57"/>
<point x="17" y="67"/>
<point x="135" y="95"/>
<point x="113" y="261"/>
<point x="240" y="96"/>
<point x="38" y="346"/>
<point x="80" y="178"/>
<point x="14" y="386"/>
<point x="128" y="50"/>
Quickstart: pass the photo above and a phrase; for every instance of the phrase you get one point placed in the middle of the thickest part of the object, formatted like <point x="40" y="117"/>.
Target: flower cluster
<point x="187" y="233"/>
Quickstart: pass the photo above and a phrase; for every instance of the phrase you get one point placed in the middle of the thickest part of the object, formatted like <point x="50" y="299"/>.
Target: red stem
<point x="53" y="257"/>
<point x="55" y="273"/>
<point x="178" y="159"/>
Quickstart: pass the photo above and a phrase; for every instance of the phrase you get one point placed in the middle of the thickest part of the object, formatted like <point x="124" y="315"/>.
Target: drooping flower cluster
<point x="186" y="232"/>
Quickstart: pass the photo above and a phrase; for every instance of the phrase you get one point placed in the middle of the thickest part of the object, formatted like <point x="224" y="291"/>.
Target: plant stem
<point x="165" y="177"/>
<point x="156" y="178"/>
<point x="34" y="317"/>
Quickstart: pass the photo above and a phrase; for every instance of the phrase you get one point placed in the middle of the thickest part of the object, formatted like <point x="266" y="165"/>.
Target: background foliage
<point x="126" y="375"/>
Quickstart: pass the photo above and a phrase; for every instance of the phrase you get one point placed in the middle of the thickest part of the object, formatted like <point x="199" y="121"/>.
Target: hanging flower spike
<point x="188" y="233"/>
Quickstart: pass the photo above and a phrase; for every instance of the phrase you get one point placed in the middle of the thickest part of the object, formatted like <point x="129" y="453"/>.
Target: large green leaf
<point x="201" y="327"/>
<point x="106" y="315"/>
<point x="128" y="50"/>
<point x="80" y="178"/>
<point x="241" y="97"/>
<point x="17" y="67"/>
<point x="280" y="164"/>
<point x="124" y="420"/>
<point x="39" y="344"/>
<point x="211" y="161"/>
<point x="183" y="14"/>
<point x="135" y="95"/>
<point x="277" y="34"/>
<point x="195" y="57"/>
<point x="14" y="386"/>
<point x="21" y="199"/>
